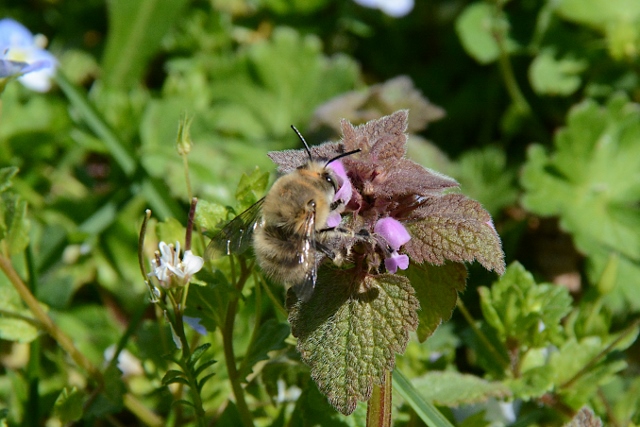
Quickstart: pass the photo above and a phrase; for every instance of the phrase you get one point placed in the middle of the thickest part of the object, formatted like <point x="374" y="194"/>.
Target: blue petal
<point x="12" y="68"/>
<point x="194" y="322"/>
<point x="14" y="34"/>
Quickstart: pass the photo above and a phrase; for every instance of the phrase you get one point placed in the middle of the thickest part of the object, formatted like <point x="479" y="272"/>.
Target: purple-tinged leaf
<point x="455" y="228"/>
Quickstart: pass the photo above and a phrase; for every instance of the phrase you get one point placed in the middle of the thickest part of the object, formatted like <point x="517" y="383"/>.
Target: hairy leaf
<point x="455" y="228"/>
<point x="584" y="418"/>
<point x="454" y="389"/>
<point x="437" y="290"/>
<point x="350" y="330"/>
<point x="381" y="170"/>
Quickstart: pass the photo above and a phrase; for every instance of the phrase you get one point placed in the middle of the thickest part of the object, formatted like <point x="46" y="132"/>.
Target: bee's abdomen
<point x="278" y="254"/>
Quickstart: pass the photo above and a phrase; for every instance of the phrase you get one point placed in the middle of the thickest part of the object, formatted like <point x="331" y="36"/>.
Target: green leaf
<point x="270" y="336"/>
<point x="16" y="323"/>
<point x="136" y="29"/>
<point x="600" y="13"/>
<point x="203" y="380"/>
<point x="475" y="28"/>
<point x="484" y="176"/>
<point x="313" y="409"/>
<point x="521" y="310"/>
<point x="449" y="388"/>
<point x="279" y="82"/>
<point x="551" y="76"/>
<point x="424" y="409"/>
<point x="593" y="177"/>
<point x="532" y="383"/>
<point x="203" y="366"/>
<point x="69" y="405"/>
<point x="171" y="375"/>
<point x="251" y="188"/>
<point x="210" y="215"/>
<point x="571" y="359"/>
<point x="6" y="175"/>
<point x="209" y="303"/>
<point x="437" y="290"/>
<point x="350" y="330"/>
<point x="455" y="228"/>
<point x="171" y="231"/>
<point x="198" y="352"/>
<point x="14" y="225"/>
<point x="110" y="400"/>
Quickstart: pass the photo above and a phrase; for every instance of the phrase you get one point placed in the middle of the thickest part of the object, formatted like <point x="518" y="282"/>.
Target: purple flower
<point x="394" y="233"/>
<point x="345" y="191"/>
<point x="22" y="54"/>
<point x="343" y="194"/>
<point x="395" y="262"/>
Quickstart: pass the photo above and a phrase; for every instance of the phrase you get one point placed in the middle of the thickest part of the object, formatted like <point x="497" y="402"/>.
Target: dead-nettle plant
<point x="402" y="217"/>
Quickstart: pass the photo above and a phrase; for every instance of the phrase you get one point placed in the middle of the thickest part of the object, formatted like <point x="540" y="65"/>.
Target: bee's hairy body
<point x="288" y="227"/>
<point x="294" y="216"/>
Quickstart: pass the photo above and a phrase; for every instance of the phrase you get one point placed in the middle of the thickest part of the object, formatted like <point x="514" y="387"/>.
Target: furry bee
<point x="289" y="225"/>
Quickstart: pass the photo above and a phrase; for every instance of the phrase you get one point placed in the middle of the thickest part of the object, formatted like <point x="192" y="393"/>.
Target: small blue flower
<point x="22" y="54"/>
<point x="394" y="8"/>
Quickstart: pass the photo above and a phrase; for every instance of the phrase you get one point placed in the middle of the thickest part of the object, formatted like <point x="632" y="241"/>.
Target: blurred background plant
<point x="531" y="105"/>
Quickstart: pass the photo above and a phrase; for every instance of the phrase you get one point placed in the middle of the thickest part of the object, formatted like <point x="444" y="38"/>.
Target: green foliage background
<point x="542" y="126"/>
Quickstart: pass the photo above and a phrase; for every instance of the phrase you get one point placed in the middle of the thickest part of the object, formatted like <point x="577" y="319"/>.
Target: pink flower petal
<point x="334" y="219"/>
<point x="392" y="231"/>
<point x="395" y="262"/>
<point x="345" y="191"/>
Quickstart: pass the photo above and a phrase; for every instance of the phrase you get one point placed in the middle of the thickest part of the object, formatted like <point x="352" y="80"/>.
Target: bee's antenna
<point x="306" y="146"/>
<point x="339" y="156"/>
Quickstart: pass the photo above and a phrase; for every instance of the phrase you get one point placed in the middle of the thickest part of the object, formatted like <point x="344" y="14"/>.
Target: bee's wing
<point x="237" y="235"/>
<point x="307" y="258"/>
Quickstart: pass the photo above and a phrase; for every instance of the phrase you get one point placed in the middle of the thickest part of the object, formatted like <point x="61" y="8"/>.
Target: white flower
<point x="170" y="270"/>
<point x="394" y="8"/>
<point x="128" y="364"/>
<point x="23" y="54"/>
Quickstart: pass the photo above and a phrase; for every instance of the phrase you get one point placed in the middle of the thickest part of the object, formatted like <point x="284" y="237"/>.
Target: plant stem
<point x="629" y="329"/>
<point x="185" y="363"/>
<point x="483" y="338"/>
<point x="379" y="405"/>
<point x="229" y="356"/>
<point x="506" y="68"/>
